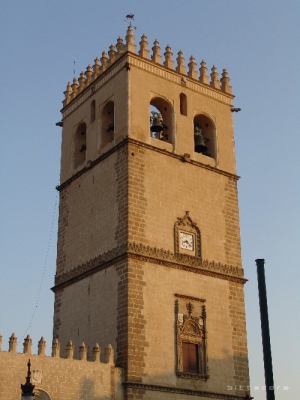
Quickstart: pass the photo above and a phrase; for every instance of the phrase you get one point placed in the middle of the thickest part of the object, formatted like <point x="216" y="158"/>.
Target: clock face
<point x="186" y="241"/>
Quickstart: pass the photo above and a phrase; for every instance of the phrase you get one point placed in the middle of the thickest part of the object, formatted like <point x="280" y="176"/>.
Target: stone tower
<point x="149" y="256"/>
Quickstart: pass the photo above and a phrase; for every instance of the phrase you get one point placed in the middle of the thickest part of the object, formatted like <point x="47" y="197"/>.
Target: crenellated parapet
<point x="59" y="377"/>
<point x="115" y="52"/>
<point x="108" y="355"/>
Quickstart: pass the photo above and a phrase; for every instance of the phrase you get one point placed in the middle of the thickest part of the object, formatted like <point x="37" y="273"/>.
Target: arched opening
<point x="80" y="145"/>
<point x="40" y="394"/>
<point x="108" y="124"/>
<point x="183" y="104"/>
<point x="161" y="120"/>
<point x="93" y="111"/>
<point x="204" y="136"/>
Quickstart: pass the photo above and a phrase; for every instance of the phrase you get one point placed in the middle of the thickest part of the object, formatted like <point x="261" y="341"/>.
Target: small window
<point x="183" y="104"/>
<point x="80" y="145"/>
<point x="108" y="123"/>
<point x="161" y="120"/>
<point x="93" y="111"/>
<point x="204" y="136"/>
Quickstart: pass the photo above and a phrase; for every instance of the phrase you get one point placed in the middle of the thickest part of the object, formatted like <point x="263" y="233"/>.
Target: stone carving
<point x="184" y="259"/>
<point x="180" y="319"/>
<point x="127" y="140"/>
<point x="42" y="347"/>
<point x="27" y="345"/>
<point x="92" y="74"/>
<point x="186" y="224"/>
<point x="192" y="329"/>
<point x="90" y="265"/>
<point x="37" y="376"/>
<point x="13" y="343"/>
<point x="154" y="255"/>
<point x="183" y="296"/>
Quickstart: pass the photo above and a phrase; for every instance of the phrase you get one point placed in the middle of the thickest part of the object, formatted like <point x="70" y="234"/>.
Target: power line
<point x="44" y="268"/>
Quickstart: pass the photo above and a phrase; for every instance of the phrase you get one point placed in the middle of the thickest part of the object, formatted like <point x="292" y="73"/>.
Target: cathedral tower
<point x="149" y="256"/>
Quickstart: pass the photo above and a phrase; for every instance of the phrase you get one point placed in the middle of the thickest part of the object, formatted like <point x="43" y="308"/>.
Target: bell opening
<point x="204" y="136"/>
<point x="200" y="140"/>
<point x="160" y="119"/>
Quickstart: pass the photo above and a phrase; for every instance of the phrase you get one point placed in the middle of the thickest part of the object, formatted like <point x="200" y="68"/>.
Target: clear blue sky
<point x="258" y="43"/>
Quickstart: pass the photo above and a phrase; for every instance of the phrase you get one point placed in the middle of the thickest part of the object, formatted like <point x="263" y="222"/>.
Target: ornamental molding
<point x="183" y="296"/>
<point x="166" y="257"/>
<point x="96" y="264"/>
<point x="129" y="59"/>
<point x="90" y="90"/>
<point x="141" y="252"/>
<point x="191" y="329"/>
<point x="170" y="389"/>
<point x="175" y="77"/>
<point x="128" y="140"/>
<point x="187" y="225"/>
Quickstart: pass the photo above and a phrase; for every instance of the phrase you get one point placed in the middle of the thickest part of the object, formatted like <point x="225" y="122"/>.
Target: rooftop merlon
<point x="116" y="51"/>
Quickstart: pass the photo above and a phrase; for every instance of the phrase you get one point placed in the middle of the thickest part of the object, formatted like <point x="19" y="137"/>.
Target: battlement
<point x="87" y="78"/>
<point x="108" y="357"/>
<point x="55" y="377"/>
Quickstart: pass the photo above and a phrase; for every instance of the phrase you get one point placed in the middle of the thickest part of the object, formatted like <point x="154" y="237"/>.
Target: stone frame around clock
<point x="187" y="225"/>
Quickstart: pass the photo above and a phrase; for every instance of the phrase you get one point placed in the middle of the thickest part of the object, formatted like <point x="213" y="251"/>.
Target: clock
<point x="186" y="241"/>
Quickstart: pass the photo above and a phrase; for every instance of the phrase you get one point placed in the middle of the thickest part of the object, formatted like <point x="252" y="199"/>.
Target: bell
<point x="156" y="122"/>
<point x="200" y="146"/>
<point x="156" y="125"/>
<point x="111" y="127"/>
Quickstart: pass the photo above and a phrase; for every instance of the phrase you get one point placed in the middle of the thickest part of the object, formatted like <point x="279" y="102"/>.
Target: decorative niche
<point x="187" y="236"/>
<point x="191" y="339"/>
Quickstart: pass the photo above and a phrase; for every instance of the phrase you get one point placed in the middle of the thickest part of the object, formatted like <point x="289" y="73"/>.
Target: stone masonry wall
<point x="61" y="378"/>
<point x="232" y="243"/>
<point x="239" y="337"/>
<point x="87" y="310"/>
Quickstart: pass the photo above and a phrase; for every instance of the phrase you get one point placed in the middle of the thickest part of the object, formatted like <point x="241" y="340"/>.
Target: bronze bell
<point x="111" y="127"/>
<point x="156" y="122"/>
<point x="200" y="146"/>
<point x="83" y="148"/>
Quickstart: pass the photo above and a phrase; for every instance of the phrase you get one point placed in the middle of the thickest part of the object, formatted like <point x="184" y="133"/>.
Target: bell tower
<point x="149" y="256"/>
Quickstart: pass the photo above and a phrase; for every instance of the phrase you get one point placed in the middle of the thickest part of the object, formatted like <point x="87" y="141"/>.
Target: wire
<point x="44" y="268"/>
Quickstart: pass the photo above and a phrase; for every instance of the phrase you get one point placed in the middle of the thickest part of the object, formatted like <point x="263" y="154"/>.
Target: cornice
<point x="129" y="59"/>
<point x="129" y="140"/>
<point x="176" y="77"/>
<point x="177" y="390"/>
<point x="141" y="252"/>
<point x="95" y="85"/>
<point x="190" y="298"/>
<point x="92" y="164"/>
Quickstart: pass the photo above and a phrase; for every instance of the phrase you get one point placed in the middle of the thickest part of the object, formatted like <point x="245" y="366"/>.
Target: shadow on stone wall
<point x="87" y="391"/>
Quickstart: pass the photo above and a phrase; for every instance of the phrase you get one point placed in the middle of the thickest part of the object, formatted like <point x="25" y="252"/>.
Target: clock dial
<point x="186" y="241"/>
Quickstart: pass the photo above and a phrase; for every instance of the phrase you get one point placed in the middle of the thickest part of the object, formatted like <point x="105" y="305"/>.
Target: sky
<point x="258" y="43"/>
